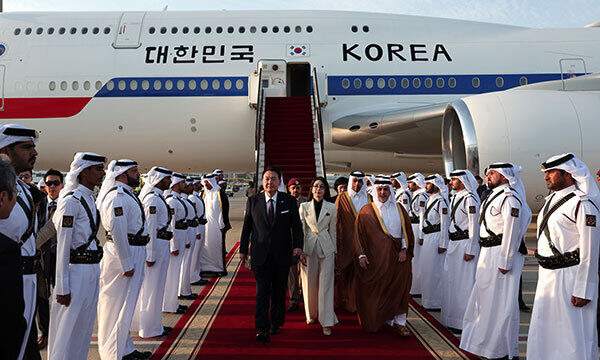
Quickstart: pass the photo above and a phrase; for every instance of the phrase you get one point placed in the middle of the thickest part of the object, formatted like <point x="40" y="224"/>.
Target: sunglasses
<point x="25" y="176"/>
<point x="53" y="183"/>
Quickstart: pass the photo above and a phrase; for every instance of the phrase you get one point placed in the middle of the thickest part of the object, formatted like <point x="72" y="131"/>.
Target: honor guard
<point x="185" y="288"/>
<point x="78" y="254"/>
<point x="196" y="198"/>
<point x="563" y="322"/>
<point x="491" y="321"/>
<point x="211" y="254"/>
<point x="179" y="225"/>
<point x="122" y="266"/>
<point x="462" y="251"/>
<point x="403" y="194"/>
<point x="416" y="209"/>
<point x="148" y="317"/>
<point x="18" y="143"/>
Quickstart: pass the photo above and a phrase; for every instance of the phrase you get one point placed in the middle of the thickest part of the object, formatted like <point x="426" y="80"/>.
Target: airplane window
<point x="428" y="83"/>
<point x="357" y="83"/>
<point x="298" y="29"/>
<point x="345" y="83"/>
<point x="133" y="85"/>
<point x="239" y="84"/>
<point x="219" y="30"/>
<point x="61" y="30"/>
<point x="122" y="85"/>
<point x="381" y="83"/>
<point x="392" y="83"/>
<point x="27" y="31"/>
<point x="216" y="84"/>
<point x="107" y="30"/>
<point x="17" y="31"/>
<point x="174" y="30"/>
<point x="207" y="30"/>
<point x="286" y="29"/>
<point x="75" y="85"/>
<point x="309" y="29"/>
<point x="440" y="82"/>
<point x="109" y="85"/>
<point x="98" y="85"/>
<point x="365" y="28"/>
<point x="499" y="81"/>
<point x="180" y="85"/>
<point x="63" y="85"/>
<point x="145" y="84"/>
<point x="192" y="84"/>
<point x="97" y="30"/>
<point x="52" y="86"/>
<point x="86" y="85"/>
<point x="39" y="31"/>
<point x="203" y="84"/>
<point x="84" y="30"/>
<point x="354" y="28"/>
<point x="523" y="80"/>
<point x="475" y="82"/>
<point x="163" y="30"/>
<point x="186" y="30"/>
<point x="369" y="83"/>
<point x="157" y="85"/>
<point x="275" y="29"/>
<point x="405" y="83"/>
<point x="197" y="30"/>
<point x="452" y="82"/>
<point x="253" y="29"/>
<point x="73" y="31"/>
<point x="227" y="84"/>
<point x="169" y="85"/>
<point x="242" y="29"/>
<point x="416" y="83"/>
<point x="230" y="29"/>
<point x="264" y="29"/>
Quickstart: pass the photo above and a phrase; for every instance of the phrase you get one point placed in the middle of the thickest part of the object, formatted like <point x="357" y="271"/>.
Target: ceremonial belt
<point x="430" y="228"/>
<point x="30" y="264"/>
<point x="163" y="233"/>
<point x="459" y="234"/>
<point x="414" y="219"/>
<point x="558" y="260"/>
<point x="493" y="239"/>
<point x="29" y="213"/>
<point x="82" y="255"/>
<point x="180" y="224"/>
<point x="194" y="221"/>
<point x="133" y="239"/>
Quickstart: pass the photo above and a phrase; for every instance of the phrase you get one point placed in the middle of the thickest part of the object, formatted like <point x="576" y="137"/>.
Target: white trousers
<point x="30" y="297"/>
<point x="185" y="276"/>
<point x="317" y="288"/>
<point x="430" y="269"/>
<point x="71" y="326"/>
<point x="117" y="302"/>
<point x="196" y="268"/>
<point x="170" y="302"/>
<point x="147" y="319"/>
<point x="415" y="288"/>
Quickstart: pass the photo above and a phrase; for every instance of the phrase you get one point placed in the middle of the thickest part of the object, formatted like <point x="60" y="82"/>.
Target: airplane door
<point x="570" y="68"/>
<point x="130" y="30"/>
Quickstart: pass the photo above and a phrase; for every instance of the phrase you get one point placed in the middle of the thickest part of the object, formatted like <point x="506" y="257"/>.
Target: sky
<point x="530" y="13"/>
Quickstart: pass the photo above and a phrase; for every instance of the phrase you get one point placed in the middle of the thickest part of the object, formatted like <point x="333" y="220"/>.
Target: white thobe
<point x="403" y="197"/>
<point x="185" y="275"/>
<point x="491" y="321"/>
<point x="431" y="262"/>
<point x="71" y="326"/>
<point x="121" y="215"/>
<point x="195" y="276"/>
<point x="459" y="275"/>
<point x="417" y="208"/>
<point x="14" y="227"/>
<point x="211" y="254"/>
<point x="148" y="315"/>
<point x="170" y="302"/>
<point x="559" y="330"/>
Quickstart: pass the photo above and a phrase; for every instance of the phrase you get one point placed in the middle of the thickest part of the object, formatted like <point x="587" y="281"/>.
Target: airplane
<point x="396" y="92"/>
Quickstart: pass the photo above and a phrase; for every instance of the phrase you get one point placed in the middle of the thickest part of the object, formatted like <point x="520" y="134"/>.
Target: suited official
<point x="273" y="229"/>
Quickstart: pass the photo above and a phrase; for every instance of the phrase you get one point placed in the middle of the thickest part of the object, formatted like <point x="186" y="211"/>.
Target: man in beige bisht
<point x="384" y="247"/>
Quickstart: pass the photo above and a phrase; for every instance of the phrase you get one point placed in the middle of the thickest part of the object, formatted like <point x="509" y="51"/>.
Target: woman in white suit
<point x="318" y="219"/>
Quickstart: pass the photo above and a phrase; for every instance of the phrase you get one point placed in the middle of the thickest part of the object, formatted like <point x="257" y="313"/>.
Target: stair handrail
<point x="318" y="118"/>
<point x="258" y="133"/>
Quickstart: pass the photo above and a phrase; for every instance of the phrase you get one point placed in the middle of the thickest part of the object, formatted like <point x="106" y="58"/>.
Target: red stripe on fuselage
<point x="38" y="108"/>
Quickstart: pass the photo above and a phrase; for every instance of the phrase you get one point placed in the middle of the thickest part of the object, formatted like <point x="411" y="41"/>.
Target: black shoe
<point x="222" y="273"/>
<point x="293" y="307"/>
<point x="263" y="336"/>
<point x="188" y="297"/>
<point x="142" y="355"/>
<point x="455" y="330"/>
<point x="524" y="308"/>
<point x="181" y="309"/>
<point x="166" y="330"/>
<point x="200" y="282"/>
<point x="434" y="310"/>
<point x="416" y="296"/>
<point x="274" y="330"/>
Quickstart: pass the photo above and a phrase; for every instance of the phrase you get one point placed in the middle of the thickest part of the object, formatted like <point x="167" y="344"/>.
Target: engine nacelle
<point x="524" y="127"/>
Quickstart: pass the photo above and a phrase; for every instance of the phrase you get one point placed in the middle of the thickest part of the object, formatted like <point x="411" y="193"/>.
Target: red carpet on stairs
<point x="289" y="138"/>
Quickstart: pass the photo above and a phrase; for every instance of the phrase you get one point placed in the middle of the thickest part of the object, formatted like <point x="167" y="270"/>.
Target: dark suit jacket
<point x="225" y="208"/>
<point x="284" y="235"/>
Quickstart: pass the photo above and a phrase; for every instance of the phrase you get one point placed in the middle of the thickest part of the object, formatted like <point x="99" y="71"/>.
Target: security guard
<point x="122" y="267"/>
<point x="18" y="143"/>
<point x="416" y="209"/>
<point x="196" y="198"/>
<point x="185" y="278"/>
<point x="78" y="254"/>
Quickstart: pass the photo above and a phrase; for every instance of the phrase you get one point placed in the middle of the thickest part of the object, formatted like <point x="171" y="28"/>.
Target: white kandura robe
<point x="559" y="330"/>
<point x="196" y="268"/>
<point x="459" y="275"/>
<point x="185" y="275"/>
<point x="417" y="207"/>
<point x="431" y="263"/>
<point x="177" y="243"/>
<point x="211" y="254"/>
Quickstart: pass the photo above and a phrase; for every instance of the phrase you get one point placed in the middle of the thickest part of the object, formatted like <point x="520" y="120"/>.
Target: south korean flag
<point x="296" y="50"/>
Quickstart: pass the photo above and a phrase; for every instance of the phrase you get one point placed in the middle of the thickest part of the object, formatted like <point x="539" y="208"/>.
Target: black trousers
<point x="271" y="288"/>
<point x="32" y="351"/>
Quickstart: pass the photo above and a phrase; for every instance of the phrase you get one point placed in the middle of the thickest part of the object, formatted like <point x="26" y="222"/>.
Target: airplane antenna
<point x="164" y="9"/>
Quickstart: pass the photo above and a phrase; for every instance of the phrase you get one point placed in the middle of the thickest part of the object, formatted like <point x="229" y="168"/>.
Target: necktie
<point x="271" y="212"/>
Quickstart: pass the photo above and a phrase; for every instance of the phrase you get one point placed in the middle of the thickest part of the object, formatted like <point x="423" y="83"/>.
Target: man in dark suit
<point x="273" y="229"/>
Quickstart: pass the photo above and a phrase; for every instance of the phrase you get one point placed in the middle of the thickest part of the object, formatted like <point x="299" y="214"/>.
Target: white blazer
<point x="320" y="230"/>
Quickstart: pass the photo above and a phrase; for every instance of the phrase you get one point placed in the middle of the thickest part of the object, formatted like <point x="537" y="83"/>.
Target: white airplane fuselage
<point x="176" y="95"/>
